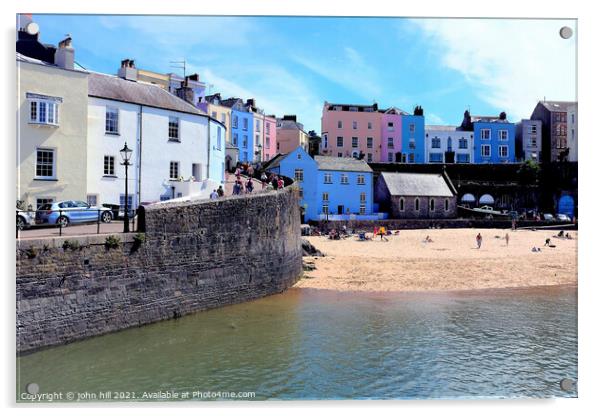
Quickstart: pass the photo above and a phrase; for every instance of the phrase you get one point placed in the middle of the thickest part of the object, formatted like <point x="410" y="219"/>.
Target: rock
<point x="309" y="250"/>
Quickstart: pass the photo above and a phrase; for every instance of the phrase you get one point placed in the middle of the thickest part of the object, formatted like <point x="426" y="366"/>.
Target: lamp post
<point x="126" y="154"/>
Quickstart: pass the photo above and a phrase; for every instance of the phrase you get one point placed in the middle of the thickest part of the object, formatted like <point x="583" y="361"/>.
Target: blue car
<point x="63" y="213"/>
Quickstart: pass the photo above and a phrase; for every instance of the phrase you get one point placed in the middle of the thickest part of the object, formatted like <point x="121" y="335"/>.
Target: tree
<point x="528" y="173"/>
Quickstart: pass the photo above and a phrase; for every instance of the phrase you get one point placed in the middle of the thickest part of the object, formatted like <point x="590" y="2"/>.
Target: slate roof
<point x="440" y="128"/>
<point x="348" y="164"/>
<point x="119" y="89"/>
<point x="274" y="162"/>
<point x="417" y="184"/>
<point x="557" y="105"/>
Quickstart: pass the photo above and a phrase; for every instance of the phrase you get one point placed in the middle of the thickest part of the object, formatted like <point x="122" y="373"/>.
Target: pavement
<point x="112" y="227"/>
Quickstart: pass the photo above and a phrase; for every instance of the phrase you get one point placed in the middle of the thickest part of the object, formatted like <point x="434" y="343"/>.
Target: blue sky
<point x="291" y="65"/>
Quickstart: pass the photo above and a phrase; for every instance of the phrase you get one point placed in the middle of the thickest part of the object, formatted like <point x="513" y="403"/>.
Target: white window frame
<point x="50" y="113"/>
<point x="325" y="197"/>
<point x="390" y="157"/>
<point x="328" y="178"/>
<point x="325" y="209"/>
<point x="50" y="150"/>
<point x="340" y="141"/>
<point x="339" y="124"/>
<point x="111" y="164"/>
<point x="369" y="142"/>
<point x="174" y="166"/>
<point x="344" y="179"/>
<point x="363" y="209"/>
<point x="488" y="134"/>
<point x="369" y="157"/>
<point x="355" y="142"/>
<point x="112" y="110"/>
<point x="461" y="141"/>
<point x="499" y="150"/>
<point x="501" y="136"/>
<point x="299" y="175"/>
<point x="361" y="180"/>
<point x="483" y="147"/>
<point x="390" y="143"/>
<point x="173" y="126"/>
<point x="44" y="200"/>
<point x="354" y="125"/>
<point x="89" y="202"/>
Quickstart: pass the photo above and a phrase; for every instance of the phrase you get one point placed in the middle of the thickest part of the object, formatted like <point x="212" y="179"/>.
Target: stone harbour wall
<point x="194" y="256"/>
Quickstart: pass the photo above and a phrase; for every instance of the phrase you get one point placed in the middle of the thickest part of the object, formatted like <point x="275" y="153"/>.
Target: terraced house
<point x="493" y="138"/>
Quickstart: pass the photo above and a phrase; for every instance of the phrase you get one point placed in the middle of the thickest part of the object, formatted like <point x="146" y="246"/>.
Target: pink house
<point x="269" y="142"/>
<point x="391" y="135"/>
<point x="348" y="129"/>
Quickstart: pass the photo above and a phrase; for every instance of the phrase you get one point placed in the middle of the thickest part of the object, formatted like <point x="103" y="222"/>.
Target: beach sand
<point x="451" y="262"/>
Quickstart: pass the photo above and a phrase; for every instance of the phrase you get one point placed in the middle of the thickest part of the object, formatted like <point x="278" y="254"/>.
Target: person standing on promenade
<point x="264" y="180"/>
<point x="507" y="239"/>
<point x="250" y="185"/>
<point x="214" y="195"/>
<point x="280" y="183"/>
<point x="237" y="172"/>
<point x="220" y="191"/>
<point x="250" y="171"/>
<point x="479" y="240"/>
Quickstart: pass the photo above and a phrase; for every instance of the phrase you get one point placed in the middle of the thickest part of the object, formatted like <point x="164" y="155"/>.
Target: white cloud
<point x="511" y="64"/>
<point x="349" y="71"/>
<point x="432" y="118"/>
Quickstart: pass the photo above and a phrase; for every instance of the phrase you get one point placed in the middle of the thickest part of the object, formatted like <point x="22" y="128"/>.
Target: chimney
<point x="290" y="117"/>
<point x="503" y="115"/>
<point x="251" y="102"/>
<point x="418" y="111"/>
<point x="128" y="70"/>
<point x="193" y="77"/>
<point x="185" y="92"/>
<point x="64" y="57"/>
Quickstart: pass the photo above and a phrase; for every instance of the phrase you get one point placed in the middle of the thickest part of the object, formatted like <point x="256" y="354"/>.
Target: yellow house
<point x="52" y="115"/>
<point x="220" y="113"/>
<point x="290" y="135"/>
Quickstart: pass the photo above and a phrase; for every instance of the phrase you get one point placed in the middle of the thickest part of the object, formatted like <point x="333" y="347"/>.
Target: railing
<point x="43" y="219"/>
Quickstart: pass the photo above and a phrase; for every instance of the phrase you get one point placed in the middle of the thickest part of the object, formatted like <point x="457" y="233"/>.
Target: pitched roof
<point x="557" y="105"/>
<point x="417" y="184"/>
<point x="348" y="164"/>
<point x="274" y="162"/>
<point x="119" y="89"/>
<point x="440" y="128"/>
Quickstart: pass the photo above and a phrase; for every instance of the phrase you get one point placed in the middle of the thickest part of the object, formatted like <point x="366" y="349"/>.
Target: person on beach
<point x="428" y="239"/>
<point x="513" y="224"/>
<point x="214" y="195"/>
<point x="383" y="231"/>
<point x="547" y="242"/>
<point x="220" y="191"/>
<point x="507" y="239"/>
<point x="479" y="240"/>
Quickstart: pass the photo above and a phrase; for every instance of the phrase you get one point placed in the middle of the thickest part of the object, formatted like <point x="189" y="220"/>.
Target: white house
<point x="177" y="150"/>
<point x="447" y="144"/>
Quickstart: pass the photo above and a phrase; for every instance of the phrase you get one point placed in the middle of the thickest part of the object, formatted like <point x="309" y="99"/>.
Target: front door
<point x="340" y="210"/>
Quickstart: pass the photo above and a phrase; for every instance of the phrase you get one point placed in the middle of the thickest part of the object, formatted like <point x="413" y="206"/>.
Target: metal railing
<point x="40" y="219"/>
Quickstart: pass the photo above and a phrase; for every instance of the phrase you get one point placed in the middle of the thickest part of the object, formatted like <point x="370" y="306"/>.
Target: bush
<point x="73" y="245"/>
<point x="112" y="242"/>
<point x="31" y="252"/>
<point x="139" y="239"/>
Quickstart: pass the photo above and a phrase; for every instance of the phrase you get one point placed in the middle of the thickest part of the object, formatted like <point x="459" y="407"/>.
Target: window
<point x="417" y="204"/>
<point x="267" y="128"/>
<point x="219" y="138"/>
<point x="369" y="125"/>
<point x="436" y="157"/>
<point x="344" y="179"/>
<point x="174" y="129"/>
<point x="503" y="134"/>
<point x="390" y="126"/>
<point x="432" y="204"/>
<point x="325" y="209"/>
<point x="485" y="134"/>
<point x="411" y="158"/>
<point x="92" y="200"/>
<point x="130" y="201"/>
<point x="485" y="150"/>
<point x="299" y="175"/>
<point x="449" y="144"/>
<point x="446" y="204"/>
<point x="354" y="125"/>
<point x="390" y="142"/>
<point x="412" y="144"/>
<point x="235" y="139"/>
<point x="436" y="143"/>
<point x="298" y="156"/>
<point x="325" y="141"/>
<point x="327" y="178"/>
<point x="340" y="124"/>
<point x="533" y="142"/>
<point x="325" y="197"/>
<point x="402" y="203"/>
<point x="390" y="157"/>
<point x="363" y="209"/>
<point x="300" y="192"/>
<point x="174" y="170"/>
<point x="245" y="140"/>
<point x="112" y="120"/>
<point x="412" y="127"/>
<point x="245" y="124"/>
<point x="463" y="143"/>
<point x="339" y="141"/>
<point x="44" y="111"/>
<point x="369" y="142"/>
<point x="362" y="198"/>
<point x="45" y="164"/>
<point x="463" y="158"/>
<point x="503" y="151"/>
<point x="533" y="128"/>
<point x="361" y="180"/>
<point x="257" y="125"/>
<point x="354" y="142"/>
<point x="109" y="166"/>
<point x="224" y="118"/>
<point x="340" y="154"/>
<point x="369" y="157"/>
<point x="213" y="114"/>
<point x="235" y="122"/>
<point x="43" y="201"/>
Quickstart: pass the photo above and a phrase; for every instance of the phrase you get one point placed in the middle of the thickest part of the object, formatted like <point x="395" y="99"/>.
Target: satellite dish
<point x="32" y="28"/>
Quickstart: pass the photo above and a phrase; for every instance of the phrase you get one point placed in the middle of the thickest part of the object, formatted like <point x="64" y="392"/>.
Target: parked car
<point x="63" y="213"/>
<point x="548" y="217"/>
<point x="25" y="219"/>
<point x="563" y="217"/>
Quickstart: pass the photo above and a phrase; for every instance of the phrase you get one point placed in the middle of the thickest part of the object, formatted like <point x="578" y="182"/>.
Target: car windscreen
<point x="45" y="207"/>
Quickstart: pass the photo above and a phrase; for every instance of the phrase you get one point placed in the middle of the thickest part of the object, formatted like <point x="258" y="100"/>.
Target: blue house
<point x="241" y="128"/>
<point x="493" y="138"/>
<point x="412" y="137"/>
<point x="331" y="188"/>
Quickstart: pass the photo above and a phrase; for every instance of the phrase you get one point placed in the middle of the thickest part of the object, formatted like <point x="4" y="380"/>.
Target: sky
<point x="291" y="65"/>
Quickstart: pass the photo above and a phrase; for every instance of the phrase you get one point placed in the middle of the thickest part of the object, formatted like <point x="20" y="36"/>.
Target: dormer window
<point x="43" y="109"/>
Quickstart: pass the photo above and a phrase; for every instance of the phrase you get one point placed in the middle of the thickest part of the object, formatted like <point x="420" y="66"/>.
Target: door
<point x="340" y="210"/>
<point x="196" y="171"/>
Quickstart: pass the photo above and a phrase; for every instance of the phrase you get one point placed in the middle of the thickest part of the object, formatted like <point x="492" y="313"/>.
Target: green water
<point x="309" y="344"/>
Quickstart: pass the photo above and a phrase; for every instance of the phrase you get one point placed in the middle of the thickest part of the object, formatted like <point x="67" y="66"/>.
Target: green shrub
<point x="139" y="239"/>
<point x="70" y="244"/>
<point x="31" y="252"/>
<point x="112" y="242"/>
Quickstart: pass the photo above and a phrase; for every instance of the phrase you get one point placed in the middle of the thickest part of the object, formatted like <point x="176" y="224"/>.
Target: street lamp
<point x="126" y="154"/>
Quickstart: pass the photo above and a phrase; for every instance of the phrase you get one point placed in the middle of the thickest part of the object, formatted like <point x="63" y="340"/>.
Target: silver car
<point x="25" y="219"/>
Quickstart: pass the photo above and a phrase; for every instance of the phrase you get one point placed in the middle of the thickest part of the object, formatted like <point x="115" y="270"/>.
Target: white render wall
<point x="217" y="161"/>
<point x="455" y="135"/>
<point x="150" y="180"/>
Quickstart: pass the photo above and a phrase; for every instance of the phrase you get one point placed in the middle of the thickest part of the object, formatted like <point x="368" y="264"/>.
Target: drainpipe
<point x="208" y="145"/>
<point x="138" y="191"/>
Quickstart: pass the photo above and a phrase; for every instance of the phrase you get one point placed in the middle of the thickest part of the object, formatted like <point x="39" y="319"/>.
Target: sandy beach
<point x="451" y="262"/>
